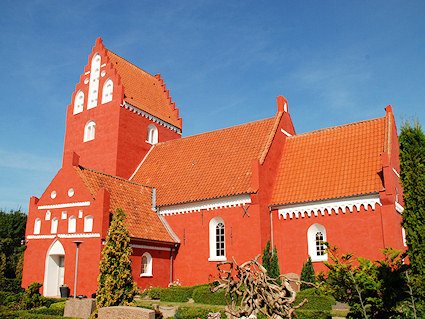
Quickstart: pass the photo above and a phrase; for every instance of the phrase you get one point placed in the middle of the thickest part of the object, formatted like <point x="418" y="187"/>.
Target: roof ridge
<point x="270" y="137"/>
<point x="131" y="63"/>
<point x="335" y="127"/>
<point x="213" y="131"/>
<point x="115" y="177"/>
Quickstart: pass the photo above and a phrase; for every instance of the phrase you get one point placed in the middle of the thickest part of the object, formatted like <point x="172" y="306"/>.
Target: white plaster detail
<point x="63" y="215"/>
<point x="48" y="215"/>
<point x="88" y="72"/>
<point x="37" y="226"/>
<point x="86" y="80"/>
<point x="79" y="102"/>
<point x="285" y="107"/>
<point x="88" y="224"/>
<point x="92" y="235"/>
<point x="223" y="202"/>
<point x="80" y="213"/>
<point x="399" y="208"/>
<point x="152" y="135"/>
<point x="143" y="160"/>
<point x="149" y="247"/>
<point x="395" y="172"/>
<point x="54" y="226"/>
<point x="72" y="224"/>
<point x="403" y="235"/>
<point x="94" y="82"/>
<point x="284" y="132"/>
<point x="70" y="192"/>
<point x="309" y="208"/>
<point x="107" y="90"/>
<point x="41" y="236"/>
<point x="65" y="205"/>
<point x="103" y="73"/>
<point x="53" y="194"/>
<point x="103" y="65"/>
<point x="151" y="117"/>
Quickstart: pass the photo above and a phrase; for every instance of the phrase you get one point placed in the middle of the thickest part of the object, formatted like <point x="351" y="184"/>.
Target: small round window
<point x="53" y="194"/>
<point x="71" y="192"/>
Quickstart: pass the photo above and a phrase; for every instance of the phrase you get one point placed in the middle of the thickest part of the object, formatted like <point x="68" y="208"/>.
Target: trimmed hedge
<point x="313" y="314"/>
<point x="176" y="294"/>
<point x="194" y="313"/>
<point x="205" y="296"/>
<point x="316" y="300"/>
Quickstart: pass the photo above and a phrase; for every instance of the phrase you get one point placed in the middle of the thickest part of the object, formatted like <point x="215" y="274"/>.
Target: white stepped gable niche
<point x="94" y="82"/>
<point x="329" y="206"/>
<point x="79" y="102"/>
<point x="107" y="91"/>
<point x="230" y="201"/>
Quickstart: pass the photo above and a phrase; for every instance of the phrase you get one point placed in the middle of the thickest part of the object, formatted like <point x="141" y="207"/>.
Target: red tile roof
<point x="134" y="199"/>
<point x="331" y="163"/>
<point x="145" y="91"/>
<point x="205" y="166"/>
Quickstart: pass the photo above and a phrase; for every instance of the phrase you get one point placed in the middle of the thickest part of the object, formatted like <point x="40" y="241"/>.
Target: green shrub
<point x="10" y="285"/>
<point x="317" y="300"/>
<point x="313" y="314"/>
<point x="176" y="294"/>
<point x="205" y="296"/>
<point x="58" y="305"/>
<point x="155" y="292"/>
<point x="194" y="313"/>
<point x="4" y="295"/>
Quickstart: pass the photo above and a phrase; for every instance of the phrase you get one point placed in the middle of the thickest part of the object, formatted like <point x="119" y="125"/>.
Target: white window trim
<point x="89" y="131"/>
<point x="54" y="226"/>
<point x="37" y="226"/>
<point x="72" y="224"/>
<point x="311" y="242"/>
<point x="148" y="273"/>
<point x="88" y="229"/>
<point x="106" y="94"/>
<point x="78" y="108"/>
<point x="152" y="134"/>
<point x="212" y="239"/>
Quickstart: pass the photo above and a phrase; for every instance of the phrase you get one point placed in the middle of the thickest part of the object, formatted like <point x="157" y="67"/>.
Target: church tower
<point x="117" y="114"/>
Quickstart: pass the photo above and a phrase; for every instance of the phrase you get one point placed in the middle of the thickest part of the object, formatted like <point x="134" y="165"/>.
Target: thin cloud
<point x="27" y="161"/>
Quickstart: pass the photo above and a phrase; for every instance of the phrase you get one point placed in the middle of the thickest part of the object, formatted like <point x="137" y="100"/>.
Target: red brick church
<point x="194" y="201"/>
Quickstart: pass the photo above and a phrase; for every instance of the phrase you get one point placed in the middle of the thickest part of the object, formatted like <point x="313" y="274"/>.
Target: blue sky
<point x="225" y="62"/>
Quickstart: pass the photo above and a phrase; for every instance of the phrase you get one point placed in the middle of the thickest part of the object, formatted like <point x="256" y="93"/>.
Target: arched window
<point x="217" y="240"/>
<point x="146" y="270"/>
<point x="79" y="102"/>
<point x="88" y="224"/>
<point x="48" y="215"/>
<point x="72" y="224"/>
<point x="152" y="134"/>
<point x="54" y="228"/>
<point x="37" y="226"/>
<point x="94" y="81"/>
<point x="107" y="90"/>
<point x="89" y="131"/>
<point x="316" y="236"/>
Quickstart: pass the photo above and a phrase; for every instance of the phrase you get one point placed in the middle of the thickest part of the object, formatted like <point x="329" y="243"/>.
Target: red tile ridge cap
<point x="335" y="127"/>
<point x="112" y="176"/>
<point x="271" y="137"/>
<point x="388" y="127"/>
<point x="211" y="132"/>
<point x="322" y="199"/>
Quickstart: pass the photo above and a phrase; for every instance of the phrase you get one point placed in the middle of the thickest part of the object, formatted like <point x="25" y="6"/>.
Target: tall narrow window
<point x="37" y="226"/>
<point x="94" y="81"/>
<point x="89" y="131"/>
<point x="72" y="224"/>
<point x="54" y="227"/>
<point x="79" y="102"/>
<point x="316" y="236"/>
<point x="88" y="224"/>
<point x="146" y="265"/>
<point x="217" y="240"/>
<point x="152" y="134"/>
<point x="107" y="90"/>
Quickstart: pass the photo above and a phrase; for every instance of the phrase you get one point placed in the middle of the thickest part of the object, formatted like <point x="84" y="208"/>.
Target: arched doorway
<point x="54" y="269"/>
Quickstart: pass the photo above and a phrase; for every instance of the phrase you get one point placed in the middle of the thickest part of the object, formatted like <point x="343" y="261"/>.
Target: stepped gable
<point x="331" y="163"/>
<point x="205" y="166"/>
<point x="145" y="91"/>
<point x="133" y="198"/>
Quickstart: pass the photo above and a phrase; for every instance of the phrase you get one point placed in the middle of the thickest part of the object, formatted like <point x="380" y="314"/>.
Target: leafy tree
<point x="412" y="174"/>
<point x="116" y="286"/>
<point x="271" y="262"/>
<point x="12" y="232"/>
<point x="307" y="274"/>
<point x="372" y="289"/>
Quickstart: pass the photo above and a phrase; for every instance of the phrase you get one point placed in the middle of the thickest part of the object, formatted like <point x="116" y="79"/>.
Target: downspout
<point x="271" y="227"/>
<point x="171" y="265"/>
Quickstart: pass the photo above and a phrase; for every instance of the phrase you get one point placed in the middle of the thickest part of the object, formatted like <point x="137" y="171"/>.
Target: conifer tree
<point x="412" y="174"/>
<point x="116" y="286"/>
<point x="307" y="274"/>
<point x="270" y="261"/>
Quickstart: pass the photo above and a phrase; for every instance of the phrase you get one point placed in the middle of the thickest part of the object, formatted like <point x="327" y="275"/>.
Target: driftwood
<point x="251" y="290"/>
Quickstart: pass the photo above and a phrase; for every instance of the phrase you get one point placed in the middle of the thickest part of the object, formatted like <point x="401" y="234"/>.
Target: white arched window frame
<point x="316" y="236"/>
<point x="217" y="236"/>
<point x="48" y="215"/>
<point x="94" y="81"/>
<point x="89" y="131"/>
<point x="54" y="226"/>
<point x="72" y="224"/>
<point x="79" y="102"/>
<point x="107" y="91"/>
<point x="152" y="136"/>
<point x="37" y="226"/>
<point x="88" y="224"/>
<point x="146" y="265"/>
